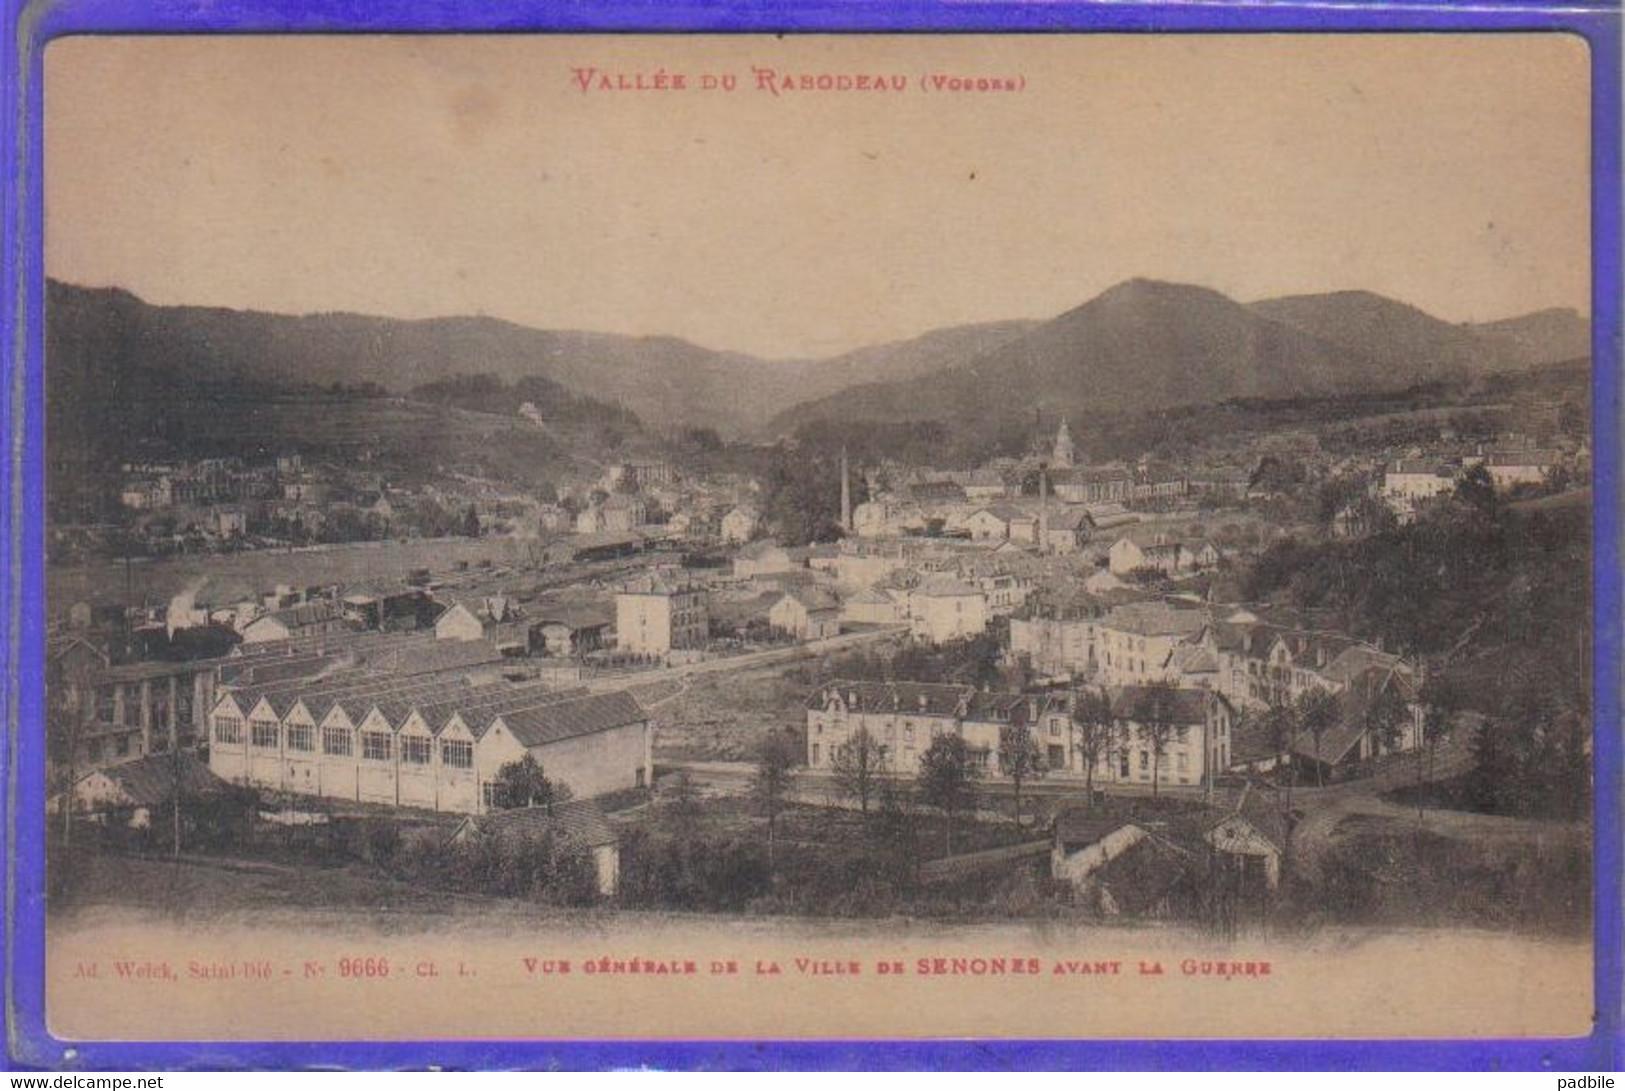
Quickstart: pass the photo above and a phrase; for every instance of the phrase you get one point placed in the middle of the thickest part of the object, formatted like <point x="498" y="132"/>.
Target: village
<point x="1035" y="685"/>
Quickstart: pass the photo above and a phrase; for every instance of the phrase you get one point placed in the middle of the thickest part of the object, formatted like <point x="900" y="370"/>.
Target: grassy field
<point x="723" y="716"/>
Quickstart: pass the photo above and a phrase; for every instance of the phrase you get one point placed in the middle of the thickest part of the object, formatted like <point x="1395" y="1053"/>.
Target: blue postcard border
<point x="31" y="26"/>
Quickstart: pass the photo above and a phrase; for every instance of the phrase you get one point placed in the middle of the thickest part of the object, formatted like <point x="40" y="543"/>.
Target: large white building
<point x="656" y="614"/>
<point x="433" y="743"/>
<point x="944" y="609"/>
<point x="903" y="717"/>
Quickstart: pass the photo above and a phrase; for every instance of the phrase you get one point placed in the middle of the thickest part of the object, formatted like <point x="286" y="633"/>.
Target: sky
<point x="416" y="177"/>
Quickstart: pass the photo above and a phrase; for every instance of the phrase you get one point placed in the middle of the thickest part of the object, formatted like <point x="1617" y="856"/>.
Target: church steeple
<point x="1065" y="453"/>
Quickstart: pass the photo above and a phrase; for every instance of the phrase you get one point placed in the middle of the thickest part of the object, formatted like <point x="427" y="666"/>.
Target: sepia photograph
<point x="893" y="536"/>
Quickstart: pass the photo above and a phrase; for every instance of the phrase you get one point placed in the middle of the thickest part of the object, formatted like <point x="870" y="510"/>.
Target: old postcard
<point x="654" y="537"/>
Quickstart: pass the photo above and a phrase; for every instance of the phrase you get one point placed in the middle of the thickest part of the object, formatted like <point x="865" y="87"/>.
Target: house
<point x="1057" y="637"/>
<point x="903" y="718"/>
<point x="991" y="524"/>
<point x="1066" y="531"/>
<point x="934" y="493"/>
<point x="657" y="614"/>
<point x="1091" y="485"/>
<point x="763" y="558"/>
<point x="644" y="473"/>
<point x="985" y="484"/>
<point x="142" y="786"/>
<point x="943" y="609"/>
<point x="1023" y="527"/>
<point x="1168" y="864"/>
<point x="1215" y="481"/>
<point x="552" y="519"/>
<point x="147" y="493"/>
<point x="873" y="607"/>
<point x="304" y="619"/>
<point x="617" y="514"/>
<point x="1109" y="516"/>
<point x="1135" y="641"/>
<point x="576" y="824"/>
<point x="571" y="630"/>
<point x="1526" y="467"/>
<point x="740" y="524"/>
<point x="1196" y="749"/>
<point x="1409" y="482"/>
<point x="1358" y="735"/>
<point x="807" y="613"/>
<point x="1085" y="839"/>
<point x="1156" y="553"/>
<point x="1201" y="554"/>
<point x="495" y="618"/>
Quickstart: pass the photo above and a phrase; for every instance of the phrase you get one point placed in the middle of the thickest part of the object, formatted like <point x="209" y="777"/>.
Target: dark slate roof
<point x="578" y="821"/>
<point x="1081" y="826"/>
<point x="570" y="719"/>
<point x="150" y="781"/>
<point x="1188" y="706"/>
<point x="1353" y="704"/>
<point x="1154" y="619"/>
<point x="919" y="698"/>
<point x="444" y="655"/>
<point x="813" y="598"/>
<point x="1142" y="875"/>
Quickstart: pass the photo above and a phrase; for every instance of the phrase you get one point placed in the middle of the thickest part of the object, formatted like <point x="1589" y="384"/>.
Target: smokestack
<point x="1043" y="508"/>
<point x="846" y="493"/>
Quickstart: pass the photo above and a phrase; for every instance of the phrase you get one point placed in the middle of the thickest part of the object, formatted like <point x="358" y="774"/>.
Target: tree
<point x="1157" y="725"/>
<point x="471" y="523"/>
<point x="1437" y="701"/>
<point x="1093" y="733"/>
<point x="1385" y="718"/>
<point x="682" y="810"/>
<point x="1020" y="759"/>
<point x="1280" y="722"/>
<point x="776" y="755"/>
<point x="1317" y="711"/>
<point x="522" y="783"/>
<point x="1476" y="489"/>
<point x="949" y="770"/>
<point x="859" y="763"/>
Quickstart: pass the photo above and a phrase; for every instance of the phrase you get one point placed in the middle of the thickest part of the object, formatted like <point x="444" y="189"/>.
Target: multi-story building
<point x="1135" y="641"/>
<point x="1195" y="727"/>
<point x="657" y="614"/>
<point x="943" y="608"/>
<point x="903" y="718"/>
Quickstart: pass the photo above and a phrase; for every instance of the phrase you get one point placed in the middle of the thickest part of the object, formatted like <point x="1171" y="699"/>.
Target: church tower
<point x="1065" y="454"/>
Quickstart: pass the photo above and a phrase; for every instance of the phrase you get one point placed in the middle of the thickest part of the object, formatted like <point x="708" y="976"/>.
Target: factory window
<point x="336" y="741"/>
<point x="228" y="729"/>
<point x="376" y="745"/>
<point x="457" y="753"/>
<point x="415" y="749"/>
<point x="265" y="735"/>
<point x="301" y="737"/>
